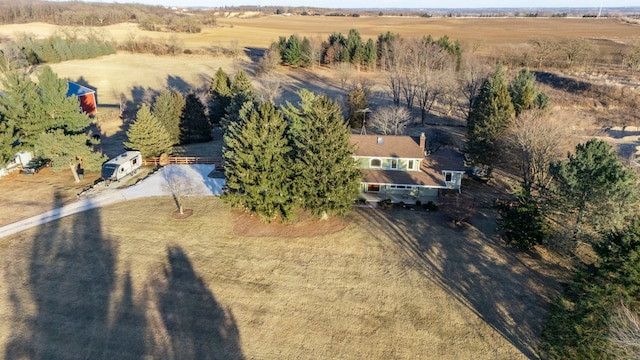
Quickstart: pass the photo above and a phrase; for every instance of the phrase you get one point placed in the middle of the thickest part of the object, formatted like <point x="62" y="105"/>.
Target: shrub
<point x="385" y="204"/>
<point x="430" y="206"/>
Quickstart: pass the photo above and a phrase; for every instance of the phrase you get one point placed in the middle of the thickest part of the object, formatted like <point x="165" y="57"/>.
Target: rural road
<point x="192" y="179"/>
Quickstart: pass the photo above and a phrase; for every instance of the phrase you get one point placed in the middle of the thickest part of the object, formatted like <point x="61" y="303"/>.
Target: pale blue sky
<point x="425" y="4"/>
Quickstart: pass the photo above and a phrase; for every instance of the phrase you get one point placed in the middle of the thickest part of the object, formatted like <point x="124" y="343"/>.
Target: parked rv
<point x="122" y="165"/>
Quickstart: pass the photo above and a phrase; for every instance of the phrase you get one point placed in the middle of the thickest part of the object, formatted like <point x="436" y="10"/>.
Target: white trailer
<point x="122" y="165"/>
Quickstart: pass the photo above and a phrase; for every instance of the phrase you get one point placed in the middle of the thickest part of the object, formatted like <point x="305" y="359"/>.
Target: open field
<point x="263" y="30"/>
<point x="128" y="281"/>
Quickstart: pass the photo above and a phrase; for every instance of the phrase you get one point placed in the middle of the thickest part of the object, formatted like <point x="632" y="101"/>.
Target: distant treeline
<point x="27" y="50"/>
<point x="352" y="49"/>
<point x="75" y="13"/>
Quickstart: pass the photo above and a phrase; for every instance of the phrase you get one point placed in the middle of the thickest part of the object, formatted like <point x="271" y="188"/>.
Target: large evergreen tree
<point x="219" y="96"/>
<point x="168" y="109"/>
<point x="69" y="150"/>
<point x="579" y="321"/>
<point x="326" y="178"/>
<point x="293" y="54"/>
<point x="194" y="123"/>
<point x="595" y="191"/>
<point x="489" y="119"/>
<point x="46" y="121"/>
<point x="525" y="94"/>
<point x="242" y="91"/>
<point x="36" y="108"/>
<point x="256" y="168"/>
<point x="7" y="139"/>
<point x="147" y="135"/>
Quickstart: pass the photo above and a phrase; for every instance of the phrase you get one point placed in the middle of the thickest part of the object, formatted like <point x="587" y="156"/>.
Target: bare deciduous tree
<point x="390" y="120"/>
<point x="474" y="73"/>
<point x="315" y="51"/>
<point x="537" y="140"/>
<point x="574" y="50"/>
<point x="270" y="88"/>
<point x="631" y="58"/>
<point x="624" y="333"/>
<point x="269" y="61"/>
<point x="458" y="208"/>
<point x="178" y="183"/>
<point x="544" y="50"/>
<point x="429" y="88"/>
<point x="343" y="70"/>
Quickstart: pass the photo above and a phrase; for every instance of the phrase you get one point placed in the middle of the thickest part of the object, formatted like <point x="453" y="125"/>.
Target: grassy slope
<point x="129" y="280"/>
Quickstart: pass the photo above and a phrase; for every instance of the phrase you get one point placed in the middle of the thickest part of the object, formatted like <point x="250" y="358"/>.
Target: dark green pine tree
<point x="7" y="139"/>
<point x="326" y="178"/>
<point x="47" y="121"/>
<point x="595" y="190"/>
<point x="256" y="167"/>
<point x="194" y="123"/>
<point x="293" y="55"/>
<point x="168" y="109"/>
<point x="242" y="91"/>
<point x="219" y="96"/>
<point x="525" y="94"/>
<point x="578" y="325"/>
<point x="36" y="108"/>
<point x="355" y="47"/>
<point x="147" y="135"/>
<point x="489" y="119"/>
<point x="370" y="56"/>
<point x="69" y="150"/>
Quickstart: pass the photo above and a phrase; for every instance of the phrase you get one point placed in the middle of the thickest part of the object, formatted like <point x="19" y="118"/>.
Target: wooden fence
<point x="186" y="160"/>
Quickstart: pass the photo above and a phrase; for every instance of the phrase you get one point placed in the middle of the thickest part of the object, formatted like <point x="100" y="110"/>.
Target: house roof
<point x="386" y="146"/>
<point x="445" y="159"/>
<point x="78" y="90"/>
<point x="430" y="178"/>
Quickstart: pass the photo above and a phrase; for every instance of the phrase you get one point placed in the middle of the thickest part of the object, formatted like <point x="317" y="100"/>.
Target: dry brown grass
<point x="23" y="196"/>
<point x="128" y="281"/>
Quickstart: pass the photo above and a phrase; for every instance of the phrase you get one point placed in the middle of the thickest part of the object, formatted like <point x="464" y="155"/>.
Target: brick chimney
<point x="423" y="142"/>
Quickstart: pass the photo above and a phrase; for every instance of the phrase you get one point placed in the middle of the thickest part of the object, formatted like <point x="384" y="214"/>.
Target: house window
<point x="394" y="163"/>
<point x="447" y="177"/>
<point x="375" y="163"/>
<point x="373" y="187"/>
<point x="410" y="165"/>
<point x="400" y="187"/>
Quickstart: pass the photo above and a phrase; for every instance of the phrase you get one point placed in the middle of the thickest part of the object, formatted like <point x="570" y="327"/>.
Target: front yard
<point x="129" y="281"/>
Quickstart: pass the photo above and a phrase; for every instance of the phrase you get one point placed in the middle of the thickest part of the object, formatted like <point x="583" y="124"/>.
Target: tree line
<point x="74" y="13"/>
<point x="173" y="120"/>
<point x="352" y="49"/>
<point x="27" y="50"/>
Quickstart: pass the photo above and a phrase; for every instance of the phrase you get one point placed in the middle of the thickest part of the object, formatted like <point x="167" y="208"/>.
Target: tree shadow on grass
<point x="68" y="301"/>
<point x="198" y="326"/>
<point x="509" y="294"/>
<point x="61" y="309"/>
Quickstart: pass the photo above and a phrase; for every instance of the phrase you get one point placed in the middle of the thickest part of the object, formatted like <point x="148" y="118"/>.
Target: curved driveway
<point x="189" y="179"/>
